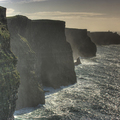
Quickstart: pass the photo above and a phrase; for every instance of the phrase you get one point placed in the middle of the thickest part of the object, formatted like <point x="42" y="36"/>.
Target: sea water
<point x="95" y="96"/>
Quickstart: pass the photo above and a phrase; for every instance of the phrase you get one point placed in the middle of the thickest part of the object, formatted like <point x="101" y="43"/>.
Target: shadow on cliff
<point x="49" y="91"/>
<point x="44" y="57"/>
<point x="81" y="44"/>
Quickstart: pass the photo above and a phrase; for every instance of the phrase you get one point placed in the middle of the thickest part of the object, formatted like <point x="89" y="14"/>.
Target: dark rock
<point x="81" y="44"/>
<point x="77" y="62"/>
<point x="9" y="77"/>
<point x="104" y="38"/>
<point x="54" y="61"/>
<point x="57" y="66"/>
<point x="30" y="91"/>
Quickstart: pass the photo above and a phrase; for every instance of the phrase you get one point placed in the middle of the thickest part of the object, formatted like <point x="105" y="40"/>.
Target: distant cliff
<point x="54" y="61"/>
<point x="81" y="44"/>
<point x="9" y="77"/>
<point x="118" y="32"/>
<point x="104" y="38"/>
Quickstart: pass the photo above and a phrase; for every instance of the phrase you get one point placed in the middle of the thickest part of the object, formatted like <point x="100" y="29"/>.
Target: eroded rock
<point x="81" y="44"/>
<point x="9" y="77"/>
<point x="53" y="61"/>
<point x="31" y="91"/>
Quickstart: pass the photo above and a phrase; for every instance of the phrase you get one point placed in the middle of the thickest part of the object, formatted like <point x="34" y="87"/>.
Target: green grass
<point x="4" y="32"/>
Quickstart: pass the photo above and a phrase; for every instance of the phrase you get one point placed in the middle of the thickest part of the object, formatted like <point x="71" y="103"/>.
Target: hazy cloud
<point x="3" y="1"/>
<point x="28" y="1"/>
<point x="11" y="12"/>
<point x="61" y="15"/>
<point x="20" y="1"/>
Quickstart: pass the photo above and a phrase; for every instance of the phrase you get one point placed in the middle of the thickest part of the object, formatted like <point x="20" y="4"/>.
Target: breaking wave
<point x="95" y="96"/>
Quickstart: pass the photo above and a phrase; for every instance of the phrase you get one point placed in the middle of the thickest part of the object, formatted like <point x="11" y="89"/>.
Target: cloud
<point x="3" y="1"/>
<point x="29" y="1"/>
<point x="82" y="20"/>
<point x="62" y="15"/>
<point x="20" y="1"/>
<point x="38" y="0"/>
<point x="11" y="12"/>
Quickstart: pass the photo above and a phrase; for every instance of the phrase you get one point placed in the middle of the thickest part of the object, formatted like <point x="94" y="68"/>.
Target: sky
<point x="93" y="15"/>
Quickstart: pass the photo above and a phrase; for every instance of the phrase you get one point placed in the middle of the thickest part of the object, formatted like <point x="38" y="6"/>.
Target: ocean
<point x="95" y="96"/>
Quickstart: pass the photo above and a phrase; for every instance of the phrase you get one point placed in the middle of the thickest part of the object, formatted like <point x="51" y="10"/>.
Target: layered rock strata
<point x="104" y="38"/>
<point x="9" y="77"/>
<point x="80" y="42"/>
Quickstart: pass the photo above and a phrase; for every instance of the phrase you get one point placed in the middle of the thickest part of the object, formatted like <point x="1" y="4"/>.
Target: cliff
<point x="118" y="32"/>
<point x="9" y="77"/>
<point x="54" y="61"/>
<point x="104" y="38"/>
<point x="81" y="44"/>
<point x="30" y="91"/>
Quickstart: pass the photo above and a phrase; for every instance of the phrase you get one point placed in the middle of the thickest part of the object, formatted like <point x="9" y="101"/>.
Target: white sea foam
<point x="95" y="95"/>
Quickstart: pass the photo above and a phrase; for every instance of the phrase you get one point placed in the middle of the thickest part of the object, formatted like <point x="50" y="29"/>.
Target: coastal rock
<point x="81" y="44"/>
<point x="57" y="68"/>
<point x="54" y="61"/>
<point x="77" y="62"/>
<point x="9" y="77"/>
<point x="30" y="91"/>
<point x="104" y="38"/>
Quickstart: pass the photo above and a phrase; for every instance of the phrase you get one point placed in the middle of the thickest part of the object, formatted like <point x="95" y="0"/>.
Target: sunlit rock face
<point x="104" y="38"/>
<point x="81" y="44"/>
<point x="9" y="77"/>
<point x="54" y="61"/>
<point x="30" y="91"/>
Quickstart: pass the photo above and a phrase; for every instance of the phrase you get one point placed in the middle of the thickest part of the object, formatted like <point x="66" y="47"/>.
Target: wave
<point x="95" y="96"/>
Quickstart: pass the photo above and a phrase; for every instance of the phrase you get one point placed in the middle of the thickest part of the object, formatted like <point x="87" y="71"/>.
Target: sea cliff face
<point x="9" y="77"/>
<point x="53" y="61"/>
<point x="30" y="91"/>
<point x="80" y="42"/>
<point x="104" y="38"/>
<point x="57" y="66"/>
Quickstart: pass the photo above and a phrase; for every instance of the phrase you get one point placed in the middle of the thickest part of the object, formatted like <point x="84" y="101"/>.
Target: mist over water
<point x="95" y="96"/>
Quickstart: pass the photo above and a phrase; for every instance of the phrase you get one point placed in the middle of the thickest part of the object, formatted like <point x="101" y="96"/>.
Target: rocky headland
<point x="44" y="57"/>
<point x="30" y="91"/>
<point x="80" y="42"/>
<point x="104" y="38"/>
<point x="9" y="77"/>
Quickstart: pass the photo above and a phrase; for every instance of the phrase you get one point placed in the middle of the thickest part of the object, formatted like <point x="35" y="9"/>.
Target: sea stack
<point x="104" y="38"/>
<point x="54" y="61"/>
<point x="80" y="42"/>
<point x="9" y="77"/>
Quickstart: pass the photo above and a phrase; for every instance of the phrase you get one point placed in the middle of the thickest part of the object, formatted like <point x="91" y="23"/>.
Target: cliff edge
<point x="31" y="91"/>
<point x="54" y="61"/>
<point x="9" y="77"/>
<point x="80" y="42"/>
<point x="104" y="38"/>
